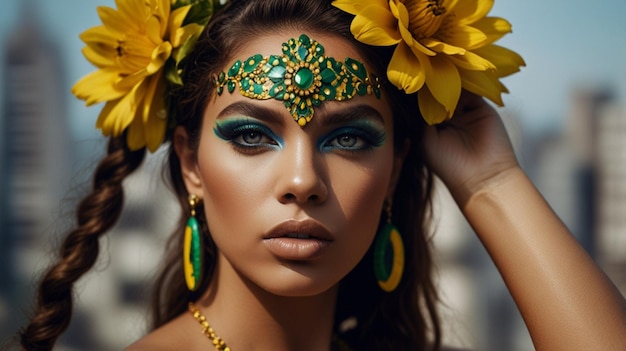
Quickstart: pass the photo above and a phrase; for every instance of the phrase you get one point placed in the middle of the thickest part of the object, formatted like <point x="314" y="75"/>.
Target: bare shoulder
<point x="175" y="335"/>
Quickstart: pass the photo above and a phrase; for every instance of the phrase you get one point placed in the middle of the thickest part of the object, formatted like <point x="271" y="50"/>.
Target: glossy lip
<point x="298" y="240"/>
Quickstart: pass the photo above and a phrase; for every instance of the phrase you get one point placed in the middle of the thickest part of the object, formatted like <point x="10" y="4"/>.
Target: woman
<point x="292" y="151"/>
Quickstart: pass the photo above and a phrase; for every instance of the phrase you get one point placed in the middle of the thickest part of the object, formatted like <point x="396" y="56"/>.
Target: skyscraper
<point x="34" y="155"/>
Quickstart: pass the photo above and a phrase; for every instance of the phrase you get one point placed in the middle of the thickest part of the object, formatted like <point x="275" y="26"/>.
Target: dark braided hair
<point x="96" y="214"/>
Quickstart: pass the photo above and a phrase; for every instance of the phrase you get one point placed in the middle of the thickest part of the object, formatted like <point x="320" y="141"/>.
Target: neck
<point x="247" y="317"/>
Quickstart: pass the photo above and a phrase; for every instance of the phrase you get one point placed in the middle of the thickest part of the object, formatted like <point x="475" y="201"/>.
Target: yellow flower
<point x="442" y="47"/>
<point x="130" y="50"/>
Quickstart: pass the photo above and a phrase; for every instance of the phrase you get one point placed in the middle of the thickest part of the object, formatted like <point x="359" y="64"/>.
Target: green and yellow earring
<point x="192" y="248"/>
<point x="388" y="255"/>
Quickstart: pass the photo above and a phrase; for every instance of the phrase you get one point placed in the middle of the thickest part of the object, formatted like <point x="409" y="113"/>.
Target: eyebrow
<point x="353" y="113"/>
<point x="340" y="116"/>
<point x="252" y="110"/>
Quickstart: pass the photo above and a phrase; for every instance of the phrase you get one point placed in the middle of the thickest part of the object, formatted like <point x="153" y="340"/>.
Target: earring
<point x="388" y="270"/>
<point x="192" y="248"/>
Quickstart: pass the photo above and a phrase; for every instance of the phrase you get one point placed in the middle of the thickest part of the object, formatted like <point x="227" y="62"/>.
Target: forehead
<point x="304" y="73"/>
<point x="271" y="43"/>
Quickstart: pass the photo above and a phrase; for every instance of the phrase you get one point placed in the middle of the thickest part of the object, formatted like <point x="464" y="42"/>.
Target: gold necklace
<point x="219" y="344"/>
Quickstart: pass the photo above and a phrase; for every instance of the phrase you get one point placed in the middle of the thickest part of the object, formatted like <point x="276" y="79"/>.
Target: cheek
<point x="231" y="186"/>
<point x="361" y="189"/>
<point x="360" y="193"/>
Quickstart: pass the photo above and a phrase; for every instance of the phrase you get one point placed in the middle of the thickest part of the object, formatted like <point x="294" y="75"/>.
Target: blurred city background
<point x="566" y="114"/>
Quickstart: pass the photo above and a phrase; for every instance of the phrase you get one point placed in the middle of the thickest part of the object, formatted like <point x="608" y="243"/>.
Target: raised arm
<point x="566" y="301"/>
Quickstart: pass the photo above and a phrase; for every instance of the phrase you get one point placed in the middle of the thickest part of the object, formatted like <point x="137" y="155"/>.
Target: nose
<point x="301" y="175"/>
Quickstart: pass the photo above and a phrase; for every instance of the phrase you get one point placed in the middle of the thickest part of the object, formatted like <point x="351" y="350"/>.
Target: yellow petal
<point x="160" y="54"/>
<point x="153" y="30"/>
<point x="114" y="118"/>
<point x="375" y="25"/>
<point x="110" y="18"/>
<point x="182" y="35"/>
<point x="114" y="20"/>
<point x="128" y="82"/>
<point x="135" y="137"/>
<point x="405" y="70"/>
<point x="443" y="81"/>
<point x="484" y="84"/>
<point x="117" y="115"/>
<point x="348" y="6"/>
<point x="494" y="28"/>
<point x="138" y="47"/>
<point x="100" y="59"/>
<point x="415" y="45"/>
<point x="506" y="61"/>
<point x="98" y="86"/>
<point x="100" y="36"/>
<point x="465" y="36"/>
<point x="470" y="11"/>
<point x="472" y="61"/>
<point x="441" y="47"/>
<point x="162" y="11"/>
<point x="155" y="114"/>
<point x="175" y="24"/>
<point x="155" y="132"/>
<point x="133" y="14"/>
<point x="354" y="6"/>
<point x="432" y="111"/>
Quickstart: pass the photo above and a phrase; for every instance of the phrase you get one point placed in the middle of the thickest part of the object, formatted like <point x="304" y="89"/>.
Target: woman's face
<point x="292" y="209"/>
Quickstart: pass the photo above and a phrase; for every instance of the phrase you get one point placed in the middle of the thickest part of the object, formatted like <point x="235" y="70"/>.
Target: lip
<point x="298" y="240"/>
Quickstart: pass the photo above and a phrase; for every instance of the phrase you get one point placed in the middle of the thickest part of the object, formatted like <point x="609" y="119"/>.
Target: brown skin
<point x="566" y="301"/>
<point x="258" y="300"/>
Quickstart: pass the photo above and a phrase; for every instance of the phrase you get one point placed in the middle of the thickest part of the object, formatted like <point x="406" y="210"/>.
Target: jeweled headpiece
<point x="302" y="76"/>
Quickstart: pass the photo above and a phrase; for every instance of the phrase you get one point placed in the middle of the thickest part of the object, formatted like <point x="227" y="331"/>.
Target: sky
<point x="566" y="44"/>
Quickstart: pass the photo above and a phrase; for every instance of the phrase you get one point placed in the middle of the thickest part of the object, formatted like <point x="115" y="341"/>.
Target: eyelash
<point x="368" y="137"/>
<point x="237" y="133"/>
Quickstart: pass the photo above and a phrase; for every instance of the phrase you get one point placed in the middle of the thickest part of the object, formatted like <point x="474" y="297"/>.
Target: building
<point x="34" y="159"/>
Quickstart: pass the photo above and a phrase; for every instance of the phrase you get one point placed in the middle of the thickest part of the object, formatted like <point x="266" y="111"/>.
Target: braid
<point x="96" y="214"/>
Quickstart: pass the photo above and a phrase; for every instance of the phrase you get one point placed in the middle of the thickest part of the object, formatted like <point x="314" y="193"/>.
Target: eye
<point x="246" y="135"/>
<point x="347" y="141"/>
<point x="253" y="138"/>
<point x="353" y="138"/>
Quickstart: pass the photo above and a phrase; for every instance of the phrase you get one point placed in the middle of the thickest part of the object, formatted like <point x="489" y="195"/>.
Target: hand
<point x="471" y="150"/>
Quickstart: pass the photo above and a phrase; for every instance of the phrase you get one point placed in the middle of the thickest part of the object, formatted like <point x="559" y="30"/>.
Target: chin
<point x="293" y="280"/>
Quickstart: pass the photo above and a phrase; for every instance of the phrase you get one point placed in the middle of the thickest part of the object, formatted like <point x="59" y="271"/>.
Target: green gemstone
<point x="302" y="53"/>
<point x="319" y="50"/>
<point x="245" y="84"/>
<point x="356" y="67"/>
<point x="328" y="76"/>
<point x="276" y="73"/>
<point x="361" y="89"/>
<point x="349" y="90"/>
<point x="258" y="89"/>
<point x="304" y="39"/>
<point x="303" y="110"/>
<point x="231" y="86"/>
<point x="252" y="62"/>
<point x="234" y="70"/>
<point x="304" y="78"/>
